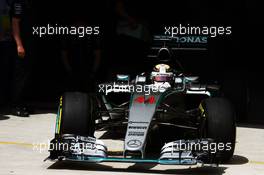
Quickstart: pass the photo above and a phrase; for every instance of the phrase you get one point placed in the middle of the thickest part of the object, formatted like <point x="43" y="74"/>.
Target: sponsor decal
<point x="131" y="122"/>
<point x="137" y="127"/>
<point x="142" y="99"/>
<point x="133" y="133"/>
<point x="134" y="143"/>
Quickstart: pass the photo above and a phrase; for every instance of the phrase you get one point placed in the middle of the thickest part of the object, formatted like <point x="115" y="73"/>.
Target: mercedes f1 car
<point x="167" y="116"/>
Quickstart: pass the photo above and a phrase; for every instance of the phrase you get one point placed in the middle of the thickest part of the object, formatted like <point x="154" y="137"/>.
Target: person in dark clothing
<point x="6" y="53"/>
<point x="21" y="19"/>
<point x="130" y="41"/>
<point x="81" y="59"/>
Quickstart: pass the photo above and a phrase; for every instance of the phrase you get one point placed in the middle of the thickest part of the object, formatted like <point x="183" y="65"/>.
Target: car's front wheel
<point x="220" y="126"/>
<point x="77" y="114"/>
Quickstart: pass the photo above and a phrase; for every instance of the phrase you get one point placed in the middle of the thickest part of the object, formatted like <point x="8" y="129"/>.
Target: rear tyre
<point x="78" y="114"/>
<point x="221" y="127"/>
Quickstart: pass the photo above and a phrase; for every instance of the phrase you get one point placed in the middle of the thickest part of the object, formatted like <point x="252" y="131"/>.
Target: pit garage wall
<point x="235" y="61"/>
<point x="243" y="77"/>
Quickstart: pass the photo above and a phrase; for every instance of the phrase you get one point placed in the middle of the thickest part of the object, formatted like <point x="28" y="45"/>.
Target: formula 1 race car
<point x="167" y="118"/>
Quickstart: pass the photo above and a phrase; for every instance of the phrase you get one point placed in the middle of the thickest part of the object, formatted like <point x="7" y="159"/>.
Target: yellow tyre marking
<point x="59" y="122"/>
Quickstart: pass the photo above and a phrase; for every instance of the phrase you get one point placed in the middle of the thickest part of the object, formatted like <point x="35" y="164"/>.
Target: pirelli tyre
<point x="77" y="114"/>
<point x="220" y="126"/>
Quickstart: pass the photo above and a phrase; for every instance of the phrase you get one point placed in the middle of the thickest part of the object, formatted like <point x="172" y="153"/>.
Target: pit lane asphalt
<point x="22" y="138"/>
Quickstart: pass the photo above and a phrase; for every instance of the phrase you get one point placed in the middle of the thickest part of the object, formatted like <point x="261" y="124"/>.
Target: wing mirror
<point x="192" y="78"/>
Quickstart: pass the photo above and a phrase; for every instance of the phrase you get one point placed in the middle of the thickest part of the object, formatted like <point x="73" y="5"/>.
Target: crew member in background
<point x="131" y="40"/>
<point x="21" y="17"/>
<point x="81" y="58"/>
<point x="6" y="53"/>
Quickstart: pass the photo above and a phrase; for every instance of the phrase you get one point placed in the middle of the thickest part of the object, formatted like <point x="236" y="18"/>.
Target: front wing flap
<point x="92" y="150"/>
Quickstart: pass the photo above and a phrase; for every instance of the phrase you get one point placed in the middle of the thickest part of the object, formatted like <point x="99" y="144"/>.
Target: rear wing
<point x="181" y="42"/>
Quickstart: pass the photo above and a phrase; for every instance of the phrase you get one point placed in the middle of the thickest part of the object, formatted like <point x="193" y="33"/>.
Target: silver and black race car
<point x="166" y="117"/>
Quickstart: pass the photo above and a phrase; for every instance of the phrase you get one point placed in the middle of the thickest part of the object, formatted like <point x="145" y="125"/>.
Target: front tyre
<point x="78" y="114"/>
<point x="221" y="127"/>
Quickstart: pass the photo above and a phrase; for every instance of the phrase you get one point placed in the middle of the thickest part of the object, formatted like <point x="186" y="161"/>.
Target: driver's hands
<point x="21" y="51"/>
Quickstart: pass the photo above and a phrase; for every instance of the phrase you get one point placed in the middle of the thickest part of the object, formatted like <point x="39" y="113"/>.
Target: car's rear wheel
<point x="220" y="126"/>
<point x="77" y="114"/>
